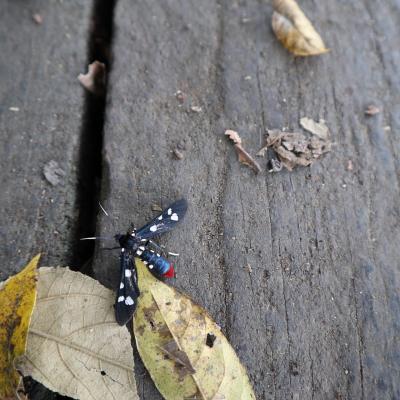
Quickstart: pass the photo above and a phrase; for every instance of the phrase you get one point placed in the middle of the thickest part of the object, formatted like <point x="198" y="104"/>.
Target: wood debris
<point x="53" y="173"/>
<point x="316" y="128"/>
<point x="94" y="81"/>
<point x="178" y="154"/>
<point x="180" y="96"/>
<point x="372" y="110"/>
<point x="294" y="148"/>
<point x="196" y="109"/>
<point x="350" y="166"/>
<point x="37" y="18"/>
<point x="243" y="156"/>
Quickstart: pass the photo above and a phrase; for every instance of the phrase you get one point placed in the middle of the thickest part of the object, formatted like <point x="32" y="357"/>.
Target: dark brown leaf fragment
<point x="94" y="80"/>
<point x="243" y="156"/>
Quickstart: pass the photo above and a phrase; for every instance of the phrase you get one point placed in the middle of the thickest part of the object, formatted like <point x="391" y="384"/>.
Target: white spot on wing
<point x="128" y="273"/>
<point x="121" y="286"/>
<point x="169" y="212"/>
<point x="145" y="262"/>
<point x="174" y="217"/>
<point x="153" y="228"/>
<point x="160" y="217"/>
<point x="151" y="266"/>
<point x="139" y="252"/>
<point x="129" y="301"/>
<point x="141" y="248"/>
<point x="121" y="298"/>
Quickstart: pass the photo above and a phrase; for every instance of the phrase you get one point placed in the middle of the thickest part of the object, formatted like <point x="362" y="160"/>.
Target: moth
<point x="137" y="243"/>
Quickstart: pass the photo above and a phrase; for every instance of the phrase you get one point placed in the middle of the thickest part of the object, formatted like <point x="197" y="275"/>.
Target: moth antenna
<point x="108" y="215"/>
<point x="103" y="209"/>
<point x="97" y="238"/>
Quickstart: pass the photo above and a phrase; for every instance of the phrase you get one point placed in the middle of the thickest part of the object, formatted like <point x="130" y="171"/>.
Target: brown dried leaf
<point x="294" y="30"/>
<point x="95" y="79"/>
<point x="246" y="159"/>
<point x="294" y="148"/>
<point x="243" y="156"/>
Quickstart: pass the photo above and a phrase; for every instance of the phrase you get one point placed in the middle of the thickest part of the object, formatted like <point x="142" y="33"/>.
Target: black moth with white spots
<point x="135" y="243"/>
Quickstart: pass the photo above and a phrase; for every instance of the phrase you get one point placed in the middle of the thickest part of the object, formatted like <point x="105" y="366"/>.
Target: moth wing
<point x="128" y="290"/>
<point x="164" y="222"/>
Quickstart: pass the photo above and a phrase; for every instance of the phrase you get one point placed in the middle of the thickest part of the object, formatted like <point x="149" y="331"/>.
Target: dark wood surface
<point x="39" y="65"/>
<point x="300" y="269"/>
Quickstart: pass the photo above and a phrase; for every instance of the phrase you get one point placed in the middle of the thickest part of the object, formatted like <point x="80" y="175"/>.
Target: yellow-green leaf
<point x="183" y="349"/>
<point x="294" y="30"/>
<point x="75" y="347"/>
<point x="17" y="298"/>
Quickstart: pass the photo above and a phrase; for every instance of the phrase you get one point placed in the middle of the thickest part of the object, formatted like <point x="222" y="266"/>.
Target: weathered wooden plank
<point x="315" y="315"/>
<point x="41" y="111"/>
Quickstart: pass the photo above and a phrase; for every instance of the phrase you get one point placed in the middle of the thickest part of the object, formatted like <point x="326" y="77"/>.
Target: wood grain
<point x="300" y="269"/>
<point x="39" y="66"/>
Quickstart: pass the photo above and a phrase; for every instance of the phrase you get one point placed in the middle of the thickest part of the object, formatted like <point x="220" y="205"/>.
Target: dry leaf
<point x="75" y="347"/>
<point x="95" y="79"/>
<point x="316" y="128"/>
<point x="17" y="298"/>
<point x="182" y="348"/>
<point x="243" y="156"/>
<point x="293" y="148"/>
<point x="294" y="30"/>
